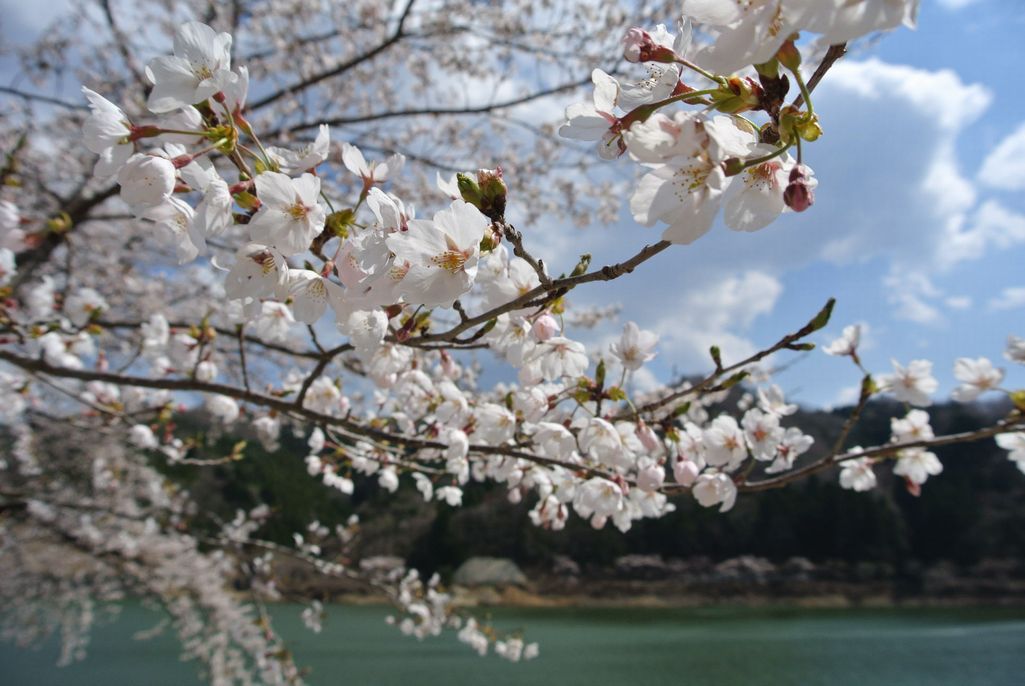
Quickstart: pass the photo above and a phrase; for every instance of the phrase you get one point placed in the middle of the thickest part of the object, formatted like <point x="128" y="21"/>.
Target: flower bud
<point x="545" y="327"/>
<point x="146" y="180"/>
<point x="650" y="479"/>
<point x="740" y="94"/>
<point x="733" y="166"/>
<point x="647" y="436"/>
<point x="789" y="56"/>
<point x="338" y="223"/>
<point x="685" y="472"/>
<point x="639" y="46"/>
<point x="799" y="195"/>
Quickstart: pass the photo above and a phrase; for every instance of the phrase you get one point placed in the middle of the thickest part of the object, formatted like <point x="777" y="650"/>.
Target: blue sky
<point x="919" y="228"/>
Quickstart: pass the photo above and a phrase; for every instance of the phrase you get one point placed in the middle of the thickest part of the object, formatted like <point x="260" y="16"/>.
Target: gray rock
<point x="489" y="571"/>
<point x="565" y="566"/>
<point x="641" y="566"/>
<point x="745" y="568"/>
<point x="799" y="569"/>
<point x="381" y="564"/>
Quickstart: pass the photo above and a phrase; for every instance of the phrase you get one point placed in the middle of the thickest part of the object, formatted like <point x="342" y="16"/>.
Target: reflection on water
<point x="696" y="647"/>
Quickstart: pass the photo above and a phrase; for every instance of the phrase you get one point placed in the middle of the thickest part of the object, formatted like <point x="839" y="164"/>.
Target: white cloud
<point x="953" y="103"/>
<point x="1009" y="299"/>
<point x="713" y="315"/>
<point x="991" y="225"/>
<point x="848" y="395"/>
<point x="958" y="302"/>
<point x="913" y="296"/>
<point x="956" y="4"/>
<point x="1004" y="167"/>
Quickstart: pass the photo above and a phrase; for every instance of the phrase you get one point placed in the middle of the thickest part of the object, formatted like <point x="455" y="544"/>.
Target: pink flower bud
<point x="639" y="46"/>
<point x="545" y="327"/>
<point x="449" y="368"/>
<point x="651" y="478"/>
<point x="685" y="472"/>
<point x="634" y="43"/>
<point x="799" y="195"/>
<point x="647" y="437"/>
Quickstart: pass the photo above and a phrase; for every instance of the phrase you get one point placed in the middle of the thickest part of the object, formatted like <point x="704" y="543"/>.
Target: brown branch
<point x="882" y="451"/>
<point x="37" y="97"/>
<point x="77" y="208"/>
<point x="556" y="286"/>
<point x="286" y="407"/>
<point x="395" y="37"/>
<point x="834" y="53"/>
<point x="704" y="384"/>
<point x="435" y="111"/>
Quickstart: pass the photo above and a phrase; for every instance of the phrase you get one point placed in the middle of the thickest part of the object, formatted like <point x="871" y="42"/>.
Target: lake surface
<point x="589" y="647"/>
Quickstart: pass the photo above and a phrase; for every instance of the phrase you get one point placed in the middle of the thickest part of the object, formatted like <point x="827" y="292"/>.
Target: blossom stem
<point x="641" y="113"/>
<point x="805" y="92"/>
<point x="772" y="155"/>
<point x="707" y="74"/>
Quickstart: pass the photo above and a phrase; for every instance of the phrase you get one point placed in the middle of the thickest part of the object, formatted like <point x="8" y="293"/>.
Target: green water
<point x="694" y="647"/>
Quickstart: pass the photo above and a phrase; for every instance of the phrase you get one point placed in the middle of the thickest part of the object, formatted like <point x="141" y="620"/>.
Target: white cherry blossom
<point x="913" y="384"/>
<point x="200" y="67"/>
<point x="715" y="488"/>
<point x="917" y="465"/>
<point x="442" y="254"/>
<point x="1014" y="443"/>
<point x="847" y="343"/>
<point x="595" y="120"/>
<point x="290" y="214"/>
<point x="146" y="181"/>
<point x="105" y="132"/>
<point x="635" y="346"/>
<point x="976" y="377"/>
<point x="724" y="443"/>
<point x="858" y="474"/>
<point x="1015" y="351"/>
<point x="305" y="158"/>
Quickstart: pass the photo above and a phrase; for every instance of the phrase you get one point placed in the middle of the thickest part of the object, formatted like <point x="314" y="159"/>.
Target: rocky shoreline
<point x="747" y="581"/>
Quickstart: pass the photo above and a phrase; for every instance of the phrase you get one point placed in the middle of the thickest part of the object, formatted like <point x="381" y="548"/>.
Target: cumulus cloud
<point x="715" y="315"/>
<point x="991" y="225"/>
<point x="1011" y="298"/>
<point x="914" y="297"/>
<point x="956" y="4"/>
<point x="1004" y="167"/>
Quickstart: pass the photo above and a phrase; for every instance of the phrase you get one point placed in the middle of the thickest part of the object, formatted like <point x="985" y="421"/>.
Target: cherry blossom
<point x="687" y="190"/>
<point x="917" y="465"/>
<point x="442" y="253"/>
<point x="858" y="474"/>
<point x="912" y="384"/>
<point x="847" y="343"/>
<point x="1015" y="351"/>
<point x="200" y="67"/>
<point x="290" y="214"/>
<point x="595" y="121"/>
<point x="1014" y="443"/>
<point x="715" y="488"/>
<point x="976" y="377"/>
<point x="146" y="181"/>
<point x="106" y="133"/>
<point x="635" y="347"/>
